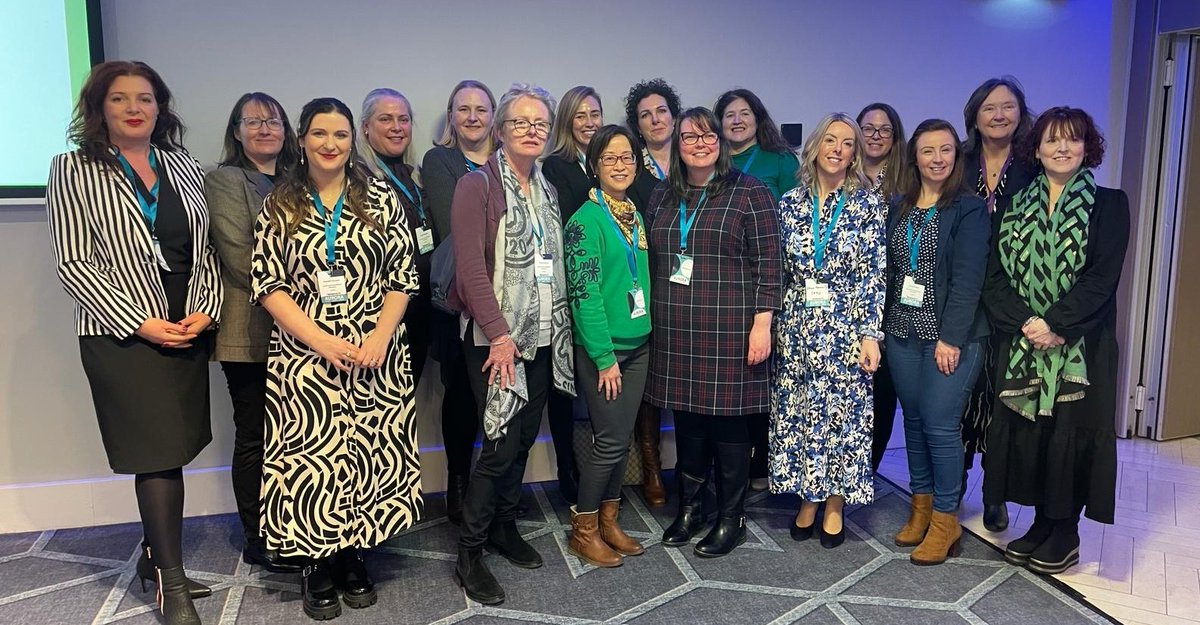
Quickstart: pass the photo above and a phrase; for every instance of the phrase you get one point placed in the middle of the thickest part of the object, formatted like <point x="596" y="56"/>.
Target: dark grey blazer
<point x="235" y="197"/>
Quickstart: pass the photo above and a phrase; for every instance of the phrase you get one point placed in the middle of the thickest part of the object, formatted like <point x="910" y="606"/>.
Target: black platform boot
<point x="351" y="578"/>
<point x="1060" y="550"/>
<point x="733" y="471"/>
<point x="320" y="596"/>
<point x="475" y="578"/>
<point x="1018" y="551"/>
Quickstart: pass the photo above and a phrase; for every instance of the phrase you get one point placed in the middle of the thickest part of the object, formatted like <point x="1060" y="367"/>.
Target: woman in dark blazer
<point x="1051" y="292"/>
<point x="465" y="145"/>
<point x="716" y="276"/>
<point x="935" y="325"/>
<point x="259" y="145"/>
<point x="129" y="227"/>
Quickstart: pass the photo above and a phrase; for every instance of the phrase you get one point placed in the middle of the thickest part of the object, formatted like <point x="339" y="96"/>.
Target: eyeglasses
<point x="884" y="132"/>
<point x="254" y="123"/>
<point x="609" y="160"/>
<point x="522" y="126"/>
<point x="690" y="138"/>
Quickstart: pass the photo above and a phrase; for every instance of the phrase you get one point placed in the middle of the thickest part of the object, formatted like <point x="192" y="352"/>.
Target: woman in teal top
<point x="757" y="146"/>
<point x="608" y="286"/>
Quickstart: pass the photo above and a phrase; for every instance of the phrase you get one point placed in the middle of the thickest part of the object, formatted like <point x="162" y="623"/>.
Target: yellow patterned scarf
<point x="624" y="213"/>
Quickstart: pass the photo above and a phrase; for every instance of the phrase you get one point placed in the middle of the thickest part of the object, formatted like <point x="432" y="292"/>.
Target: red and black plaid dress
<point x="701" y="331"/>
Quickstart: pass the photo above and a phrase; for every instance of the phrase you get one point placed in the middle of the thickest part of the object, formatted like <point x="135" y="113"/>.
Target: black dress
<point x="1068" y="460"/>
<point x="570" y="181"/>
<point x="152" y="402"/>
<point x="418" y="317"/>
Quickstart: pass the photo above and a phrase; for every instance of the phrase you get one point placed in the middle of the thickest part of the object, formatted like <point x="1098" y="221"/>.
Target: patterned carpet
<point x="86" y="575"/>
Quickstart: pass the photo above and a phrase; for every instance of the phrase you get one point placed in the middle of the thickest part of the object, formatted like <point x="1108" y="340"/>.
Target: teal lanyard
<point x="470" y="165"/>
<point x="821" y="238"/>
<point x="630" y="246"/>
<point x="331" y="222"/>
<point x="685" y="222"/>
<point x="914" y="239"/>
<point x="750" y="161"/>
<point x="658" y="172"/>
<point x="417" y="202"/>
<point x="149" y="205"/>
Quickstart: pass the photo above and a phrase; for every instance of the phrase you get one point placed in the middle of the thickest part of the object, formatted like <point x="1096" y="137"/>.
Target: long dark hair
<point x="910" y="179"/>
<point x="767" y="132"/>
<point x="600" y="142"/>
<point x="89" y="131"/>
<point x="975" y="102"/>
<point x="289" y="203"/>
<point x="894" y="163"/>
<point x="233" y="154"/>
<point x="724" y="173"/>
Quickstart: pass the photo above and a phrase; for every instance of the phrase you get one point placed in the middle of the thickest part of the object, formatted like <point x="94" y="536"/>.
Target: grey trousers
<point x="601" y="471"/>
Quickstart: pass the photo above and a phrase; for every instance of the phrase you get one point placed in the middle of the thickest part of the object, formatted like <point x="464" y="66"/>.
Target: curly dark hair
<point x="768" y="135"/>
<point x="1064" y="120"/>
<point x="89" y="131"/>
<point x="643" y="90"/>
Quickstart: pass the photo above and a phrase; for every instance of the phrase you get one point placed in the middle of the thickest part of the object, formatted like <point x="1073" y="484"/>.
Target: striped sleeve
<point x="76" y="261"/>
<point x="205" y="289"/>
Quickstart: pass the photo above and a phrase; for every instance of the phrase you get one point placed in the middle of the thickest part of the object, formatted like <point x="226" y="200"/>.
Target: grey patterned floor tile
<point x="893" y="615"/>
<point x="821" y="616"/>
<point x="901" y="579"/>
<point x="1019" y="601"/>
<point x="113" y="542"/>
<point x="16" y="543"/>
<point x="21" y="576"/>
<point x="76" y="604"/>
<point x="709" y="605"/>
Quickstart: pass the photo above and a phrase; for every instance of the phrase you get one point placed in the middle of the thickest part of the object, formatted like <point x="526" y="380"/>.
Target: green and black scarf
<point x="1042" y="252"/>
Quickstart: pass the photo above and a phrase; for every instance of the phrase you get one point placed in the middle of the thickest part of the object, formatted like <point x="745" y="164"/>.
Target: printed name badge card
<point x="159" y="258"/>
<point x="332" y="286"/>
<point x="912" y="294"/>
<point x="424" y="240"/>
<point x="637" y="303"/>
<point x="816" y="294"/>
<point x="543" y="269"/>
<point x="681" y="269"/>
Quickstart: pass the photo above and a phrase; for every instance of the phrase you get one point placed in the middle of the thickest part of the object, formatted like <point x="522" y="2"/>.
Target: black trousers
<point x="603" y="470"/>
<point x="885" y="412"/>
<point x="495" y="487"/>
<point x="460" y="414"/>
<point x="712" y="430"/>
<point x="247" y="383"/>
<point x="418" y="322"/>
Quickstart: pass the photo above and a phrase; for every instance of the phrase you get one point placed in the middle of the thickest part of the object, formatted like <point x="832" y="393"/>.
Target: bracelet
<point x="1029" y="321"/>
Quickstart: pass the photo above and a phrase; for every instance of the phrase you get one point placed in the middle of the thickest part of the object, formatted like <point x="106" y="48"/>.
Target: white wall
<point x="803" y="58"/>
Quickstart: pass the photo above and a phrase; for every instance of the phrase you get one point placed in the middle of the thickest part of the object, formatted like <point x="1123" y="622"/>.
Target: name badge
<point x="637" y="303"/>
<point x="912" y="294"/>
<point x="424" y="240"/>
<point x="159" y="258"/>
<point x="681" y="269"/>
<point x="331" y="285"/>
<point x="816" y="294"/>
<point x="543" y="269"/>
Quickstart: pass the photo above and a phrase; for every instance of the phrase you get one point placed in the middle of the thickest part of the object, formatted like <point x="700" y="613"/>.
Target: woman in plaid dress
<point x="715" y="267"/>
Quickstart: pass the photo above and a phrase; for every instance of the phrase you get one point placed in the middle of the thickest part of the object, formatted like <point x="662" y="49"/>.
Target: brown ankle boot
<point x="611" y="532"/>
<point x="914" y="530"/>
<point x="649" y="422"/>
<point x="941" y="542"/>
<point x="586" y="542"/>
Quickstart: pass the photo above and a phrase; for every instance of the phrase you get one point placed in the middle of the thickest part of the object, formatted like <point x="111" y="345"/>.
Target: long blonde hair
<point x="856" y="175"/>
<point x="562" y="139"/>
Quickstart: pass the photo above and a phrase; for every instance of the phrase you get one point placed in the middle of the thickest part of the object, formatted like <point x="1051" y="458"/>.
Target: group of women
<point x="688" y="261"/>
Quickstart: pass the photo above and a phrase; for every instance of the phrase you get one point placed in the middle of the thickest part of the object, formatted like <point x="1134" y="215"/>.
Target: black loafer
<point x="269" y="559"/>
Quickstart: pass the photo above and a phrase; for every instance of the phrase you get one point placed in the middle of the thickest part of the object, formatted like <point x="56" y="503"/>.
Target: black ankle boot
<point x="456" y="490"/>
<point x="1018" y="551"/>
<point x="995" y="517"/>
<point x="1060" y="551"/>
<point x="733" y="471"/>
<point x="145" y="573"/>
<point x="320" y="596"/>
<point x="689" y="520"/>
<point x="351" y="578"/>
<point x="475" y="578"/>
<point x="174" y="601"/>
<point x="505" y="540"/>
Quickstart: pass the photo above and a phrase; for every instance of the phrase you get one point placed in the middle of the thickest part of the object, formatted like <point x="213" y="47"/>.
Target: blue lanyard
<point x="149" y="205"/>
<point x="417" y="202"/>
<point x="750" y="161"/>
<point x="658" y="170"/>
<point x="914" y="242"/>
<point x="821" y="239"/>
<point x="685" y="222"/>
<point x="331" y="222"/>
<point x="630" y="246"/>
<point x="470" y="165"/>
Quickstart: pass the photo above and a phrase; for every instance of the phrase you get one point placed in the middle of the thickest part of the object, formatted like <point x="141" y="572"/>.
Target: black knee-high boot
<point x="733" y="470"/>
<point x="691" y="474"/>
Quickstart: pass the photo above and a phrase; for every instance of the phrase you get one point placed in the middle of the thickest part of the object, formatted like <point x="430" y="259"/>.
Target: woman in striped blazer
<point x="129" y="226"/>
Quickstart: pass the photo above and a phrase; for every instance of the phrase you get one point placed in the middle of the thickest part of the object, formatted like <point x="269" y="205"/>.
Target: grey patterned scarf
<point x="517" y="294"/>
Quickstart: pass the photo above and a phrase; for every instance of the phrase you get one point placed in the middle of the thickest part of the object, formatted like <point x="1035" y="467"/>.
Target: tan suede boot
<point x="648" y="434"/>
<point x="914" y="530"/>
<point x="941" y="541"/>
<point x="611" y="532"/>
<point x="586" y="543"/>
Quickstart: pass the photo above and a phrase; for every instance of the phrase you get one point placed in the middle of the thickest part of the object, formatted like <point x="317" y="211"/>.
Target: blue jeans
<point x="933" y="404"/>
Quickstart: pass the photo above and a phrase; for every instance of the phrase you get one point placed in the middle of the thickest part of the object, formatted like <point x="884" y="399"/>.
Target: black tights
<point x="160" y="503"/>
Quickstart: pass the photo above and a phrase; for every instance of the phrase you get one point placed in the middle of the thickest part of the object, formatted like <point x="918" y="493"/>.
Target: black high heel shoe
<point x="146" y="573"/>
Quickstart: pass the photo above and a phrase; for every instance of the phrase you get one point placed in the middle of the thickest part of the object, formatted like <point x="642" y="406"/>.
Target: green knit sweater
<point x="777" y="170"/>
<point x="598" y="284"/>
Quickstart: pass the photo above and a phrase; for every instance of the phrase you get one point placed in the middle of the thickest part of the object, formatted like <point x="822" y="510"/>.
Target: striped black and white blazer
<point x="103" y="250"/>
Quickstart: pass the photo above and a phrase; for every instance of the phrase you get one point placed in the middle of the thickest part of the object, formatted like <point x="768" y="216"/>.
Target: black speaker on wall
<point x="793" y="134"/>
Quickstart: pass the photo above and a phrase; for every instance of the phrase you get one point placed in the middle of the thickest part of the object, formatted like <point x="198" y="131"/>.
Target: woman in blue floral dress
<point x="828" y="332"/>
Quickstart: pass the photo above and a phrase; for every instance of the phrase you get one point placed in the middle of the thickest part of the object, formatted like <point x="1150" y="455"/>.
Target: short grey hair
<point x="517" y="91"/>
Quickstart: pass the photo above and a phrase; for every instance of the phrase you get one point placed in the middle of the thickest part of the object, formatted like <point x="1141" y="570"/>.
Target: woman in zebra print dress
<point x="340" y="469"/>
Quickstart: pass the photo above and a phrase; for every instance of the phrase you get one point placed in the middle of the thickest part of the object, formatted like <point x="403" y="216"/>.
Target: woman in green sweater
<point x="757" y="148"/>
<point x="608" y="287"/>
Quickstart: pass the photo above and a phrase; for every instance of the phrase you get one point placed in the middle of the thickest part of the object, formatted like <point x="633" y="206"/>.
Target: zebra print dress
<point x="341" y="466"/>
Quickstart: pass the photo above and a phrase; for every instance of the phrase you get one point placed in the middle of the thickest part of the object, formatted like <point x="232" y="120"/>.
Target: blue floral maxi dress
<point x="821" y="405"/>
